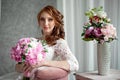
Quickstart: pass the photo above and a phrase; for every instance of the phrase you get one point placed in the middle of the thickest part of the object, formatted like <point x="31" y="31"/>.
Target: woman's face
<point x="47" y="23"/>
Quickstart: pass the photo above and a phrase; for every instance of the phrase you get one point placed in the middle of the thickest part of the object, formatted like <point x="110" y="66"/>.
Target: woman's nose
<point x="46" y="22"/>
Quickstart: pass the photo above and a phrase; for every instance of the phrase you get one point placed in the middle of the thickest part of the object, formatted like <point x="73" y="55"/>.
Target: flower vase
<point x="103" y="58"/>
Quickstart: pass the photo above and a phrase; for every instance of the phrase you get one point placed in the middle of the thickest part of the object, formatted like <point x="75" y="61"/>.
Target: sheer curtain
<point x="74" y="18"/>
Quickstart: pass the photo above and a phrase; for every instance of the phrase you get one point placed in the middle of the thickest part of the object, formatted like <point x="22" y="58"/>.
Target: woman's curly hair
<point x="58" y="30"/>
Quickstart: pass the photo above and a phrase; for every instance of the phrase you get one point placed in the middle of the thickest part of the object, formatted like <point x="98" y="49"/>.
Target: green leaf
<point x="100" y="8"/>
<point x="99" y="24"/>
<point x="82" y="34"/>
<point x="43" y="42"/>
<point x="26" y="51"/>
<point x="94" y="24"/>
<point x="29" y="45"/>
<point x="23" y="57"/>
<point x="89" y="14"/>
<point x="88" y="39"/>
<point x="46" y="50"/>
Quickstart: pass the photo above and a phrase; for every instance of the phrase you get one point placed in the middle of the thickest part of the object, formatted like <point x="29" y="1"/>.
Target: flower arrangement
<point x="99" y="27"/>
<point x="29" y="50"/>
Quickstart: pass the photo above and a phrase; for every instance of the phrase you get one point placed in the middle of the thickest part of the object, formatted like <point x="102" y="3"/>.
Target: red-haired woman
<point x="59" y="61"/>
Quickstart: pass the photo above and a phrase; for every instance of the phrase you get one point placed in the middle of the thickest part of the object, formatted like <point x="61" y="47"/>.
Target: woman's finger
<point x="29" y="69"/>
<point x="25" y="67"/>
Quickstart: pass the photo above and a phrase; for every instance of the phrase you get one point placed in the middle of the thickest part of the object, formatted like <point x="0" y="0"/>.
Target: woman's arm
<point x="63" y="52"/>
<point x="51" y="73"/>
<point x="58" y="64"/>
<point x="49" y="70"/>
<point x="63" y="58"/>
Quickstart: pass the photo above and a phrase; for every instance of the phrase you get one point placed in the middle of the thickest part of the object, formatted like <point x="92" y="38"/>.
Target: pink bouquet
<point x="29" y="50"/>
<point x="99" y="27"/>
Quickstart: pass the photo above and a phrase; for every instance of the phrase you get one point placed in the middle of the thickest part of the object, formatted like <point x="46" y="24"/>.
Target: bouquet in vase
<point x="30" y="51"/>
<point x="98" y="27"/>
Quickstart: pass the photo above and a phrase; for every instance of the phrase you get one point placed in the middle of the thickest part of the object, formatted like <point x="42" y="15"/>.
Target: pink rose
<point x="108" y="31"/>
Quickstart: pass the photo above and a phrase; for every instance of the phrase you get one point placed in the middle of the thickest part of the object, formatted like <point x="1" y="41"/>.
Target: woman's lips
<point x="45" y="28"/>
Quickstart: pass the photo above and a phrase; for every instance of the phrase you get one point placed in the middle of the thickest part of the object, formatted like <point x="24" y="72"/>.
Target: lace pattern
<point x="63" y="52"/>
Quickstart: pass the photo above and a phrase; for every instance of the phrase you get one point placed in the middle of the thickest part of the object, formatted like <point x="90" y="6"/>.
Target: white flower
<point x="33" y="43"/>
<point x="94" y="13"/>
<point x="39" y="57"/>
<point x="101" y="14"/>
<point x="108" y="19"/>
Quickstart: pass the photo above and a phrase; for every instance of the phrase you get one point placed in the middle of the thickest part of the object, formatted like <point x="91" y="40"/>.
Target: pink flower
<point x="88" y="32"/>
<point x="97" y="32"/>
<point x="108" y="31"/>
<point x="93" y="32"/>
<point x="28" y="50"/>
<point x="98" y="28"/>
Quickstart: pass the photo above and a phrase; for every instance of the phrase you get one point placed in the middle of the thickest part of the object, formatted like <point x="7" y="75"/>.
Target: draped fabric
<point x="74" y="18"/>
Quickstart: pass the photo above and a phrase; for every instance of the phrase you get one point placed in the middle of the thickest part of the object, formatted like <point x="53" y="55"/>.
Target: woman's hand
<point x="29" y="68"/>
<point x="19" y="67"/>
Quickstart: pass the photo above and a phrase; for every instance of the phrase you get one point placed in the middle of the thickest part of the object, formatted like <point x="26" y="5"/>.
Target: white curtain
<point x="74" y="18"/>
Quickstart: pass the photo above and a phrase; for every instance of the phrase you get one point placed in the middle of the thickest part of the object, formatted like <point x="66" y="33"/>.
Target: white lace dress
<point x="60" y="51"/>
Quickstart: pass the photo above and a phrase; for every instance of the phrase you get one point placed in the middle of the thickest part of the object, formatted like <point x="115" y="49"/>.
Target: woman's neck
<point x="44" y="36"/>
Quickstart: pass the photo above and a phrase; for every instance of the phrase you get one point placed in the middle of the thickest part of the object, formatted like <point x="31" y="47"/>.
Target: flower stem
<point x="26" y="78"/>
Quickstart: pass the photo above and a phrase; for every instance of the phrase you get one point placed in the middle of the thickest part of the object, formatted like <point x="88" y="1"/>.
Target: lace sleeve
<point x="63" y="52"/>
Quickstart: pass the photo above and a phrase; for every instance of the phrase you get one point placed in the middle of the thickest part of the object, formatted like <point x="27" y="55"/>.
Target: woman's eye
<point x="42" y="19"/>
<point x="50" y="19"/>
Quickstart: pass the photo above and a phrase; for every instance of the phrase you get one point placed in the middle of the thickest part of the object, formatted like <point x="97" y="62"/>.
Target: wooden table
<point x="113" y="75"/>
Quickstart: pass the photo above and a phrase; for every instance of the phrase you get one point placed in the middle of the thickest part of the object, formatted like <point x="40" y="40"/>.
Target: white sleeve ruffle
<point x="63" y="52"/>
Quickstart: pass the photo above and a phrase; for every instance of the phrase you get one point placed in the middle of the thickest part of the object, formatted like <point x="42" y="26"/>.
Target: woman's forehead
<point x="45" y="14"/>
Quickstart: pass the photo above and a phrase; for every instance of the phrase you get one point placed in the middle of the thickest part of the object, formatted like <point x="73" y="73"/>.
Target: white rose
<point x="94" y="13"/>
<point x="101" y="14"/>
<point x="33" y="44"/>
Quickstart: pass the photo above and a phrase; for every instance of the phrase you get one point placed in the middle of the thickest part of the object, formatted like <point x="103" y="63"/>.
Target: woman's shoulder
<point x="61" y="41"/>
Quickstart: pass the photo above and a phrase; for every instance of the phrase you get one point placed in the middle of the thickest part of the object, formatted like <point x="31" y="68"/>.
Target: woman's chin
<point x="47" y="32"/>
